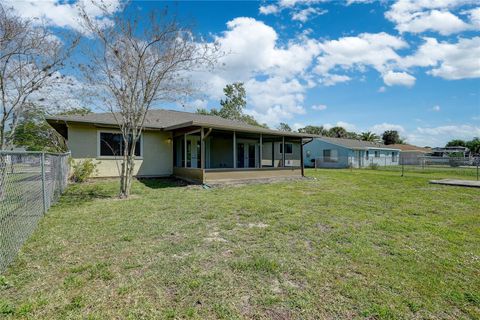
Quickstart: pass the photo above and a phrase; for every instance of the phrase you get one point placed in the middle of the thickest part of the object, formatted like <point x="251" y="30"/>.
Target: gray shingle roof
<point x="171" y="119"/>
<point x="356" y="144"/>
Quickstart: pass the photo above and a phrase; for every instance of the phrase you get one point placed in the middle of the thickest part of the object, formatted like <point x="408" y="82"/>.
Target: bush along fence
<point x="30" y="182"/>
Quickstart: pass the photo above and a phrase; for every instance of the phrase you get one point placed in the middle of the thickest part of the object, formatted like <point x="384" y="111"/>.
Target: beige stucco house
<point x="190" y="146"/>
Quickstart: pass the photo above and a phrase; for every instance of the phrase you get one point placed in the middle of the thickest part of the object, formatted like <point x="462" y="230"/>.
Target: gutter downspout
<point x="302" y="165"/>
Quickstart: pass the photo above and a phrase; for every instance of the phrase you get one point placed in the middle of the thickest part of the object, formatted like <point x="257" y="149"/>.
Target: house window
<point x="288" y="148"/>
<point x="367" y="154"/>
<point x="111" y="144"/>
<point x="377" y="154"/>
<point x="330" y="155"/>
<point x="394" y="157"/>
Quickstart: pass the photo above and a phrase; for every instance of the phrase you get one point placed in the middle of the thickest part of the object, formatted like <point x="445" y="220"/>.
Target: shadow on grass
<point x="162" y="183"/>
<point x="78" y="195"/>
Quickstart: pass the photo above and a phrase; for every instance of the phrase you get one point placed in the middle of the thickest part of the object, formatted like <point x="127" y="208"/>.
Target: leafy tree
<point x="352" y="135"/>
<point x="391" y="137"/>
<point x="35" y="134"/>
<point x="318" y="130"/>
<point x="337" y="132"/>
<point x="233" y="105"/>
<point x="369" y="136"/>
<point x="456" y="143"/>
<point x="474" y="145"/>
<point x="284" y="127"/>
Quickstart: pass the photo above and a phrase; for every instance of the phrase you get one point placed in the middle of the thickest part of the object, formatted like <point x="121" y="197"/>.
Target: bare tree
<point x="135" y="67"/>
<point x="30" y="59"/>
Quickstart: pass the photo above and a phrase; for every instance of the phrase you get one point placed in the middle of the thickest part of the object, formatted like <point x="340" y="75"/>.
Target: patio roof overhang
<point x="239" y="128"/>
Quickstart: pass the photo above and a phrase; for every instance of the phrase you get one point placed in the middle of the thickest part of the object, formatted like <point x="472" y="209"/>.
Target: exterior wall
<point x="346" y="157"/>
<point x="314" y="150"/>
<point x="220" y="175"/>
<point x="411" y="157"/>
<point x="156" y="159"/>
<point x="291" y="160"/>
<point x="384" y="158"/>
<point x="190" y="174"/>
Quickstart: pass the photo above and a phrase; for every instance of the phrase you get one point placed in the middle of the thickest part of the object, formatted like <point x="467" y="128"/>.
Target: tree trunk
<point x="123" y="177"/>
<point x="126" y="177"/>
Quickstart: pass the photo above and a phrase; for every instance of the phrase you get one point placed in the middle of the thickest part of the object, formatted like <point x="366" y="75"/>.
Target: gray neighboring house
<point x="326" y="152"/>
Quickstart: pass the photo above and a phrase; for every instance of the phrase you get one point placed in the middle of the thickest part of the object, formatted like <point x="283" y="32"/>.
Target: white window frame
<point x="331" y="159"/>
<point x="99" y="156"/>
<point x="394" y="156"/>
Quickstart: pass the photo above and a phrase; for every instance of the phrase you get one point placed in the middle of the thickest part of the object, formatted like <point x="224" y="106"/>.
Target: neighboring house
<point x="410" y="154"/>
<point x="190" y="146"/>
<point x="447" y="151"/>
<point x="325" y="152"/>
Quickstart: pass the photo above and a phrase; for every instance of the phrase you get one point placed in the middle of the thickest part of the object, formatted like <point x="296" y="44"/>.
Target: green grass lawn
<point x="361" y="244"/>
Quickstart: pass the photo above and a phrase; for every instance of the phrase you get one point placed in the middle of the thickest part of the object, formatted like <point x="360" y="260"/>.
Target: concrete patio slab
<point x="457" y="182"/>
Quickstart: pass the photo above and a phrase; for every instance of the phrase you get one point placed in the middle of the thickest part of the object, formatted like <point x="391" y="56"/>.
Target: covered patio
<point x="208" y="155"/>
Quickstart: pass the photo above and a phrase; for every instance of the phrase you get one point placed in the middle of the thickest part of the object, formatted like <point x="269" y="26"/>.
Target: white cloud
<point x="436" y="108"/>
<point x="332" y="79"/>
<point x="276" y="77"/>
<point x="269" y="9"/>
<point x="297" y="126"/>
<point x="382" y="89"/>
<point x="350" y="2"/>
<point x="319" y="107"/>
<point x="439" y="136"/>
<point x="451" y="61"/>
<point x="382" y="127"/>
<point x="62" y="13"/>
<point x="346" y="125"/>
<point x="301" y="10"/>
<point x="305" y="14"/>
<point x="376" y="50"/>
<point x="419" y="16"/>
<point x="392" y="78"/>
<point x="474" y="16"/>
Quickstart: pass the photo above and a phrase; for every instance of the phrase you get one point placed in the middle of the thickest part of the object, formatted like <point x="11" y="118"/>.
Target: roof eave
<point x="238" y="129"/>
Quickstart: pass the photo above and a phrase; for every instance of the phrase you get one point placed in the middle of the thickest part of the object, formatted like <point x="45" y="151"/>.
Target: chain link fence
<point x="30" y="182"/>
<point x="433" y="167"/>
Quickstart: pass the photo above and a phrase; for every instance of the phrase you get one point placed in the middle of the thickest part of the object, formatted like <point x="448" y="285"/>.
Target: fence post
<point x="44" y="189"/>
<point x="477" y="167"/>
<point x="403" y="168"/>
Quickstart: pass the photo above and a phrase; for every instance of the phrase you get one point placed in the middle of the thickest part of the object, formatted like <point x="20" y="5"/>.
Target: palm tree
<point x="369" y="136"/>
<point x="337" y="132"/>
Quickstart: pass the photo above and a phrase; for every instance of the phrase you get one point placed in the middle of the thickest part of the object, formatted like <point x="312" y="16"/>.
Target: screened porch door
<point x="247" y="155"/>
<point x="193" y="152"/>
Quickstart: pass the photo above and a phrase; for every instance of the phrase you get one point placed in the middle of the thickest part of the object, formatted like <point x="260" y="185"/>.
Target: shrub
<point x="455" y="159"/>
<point x="373" y="166"/>
<point x="82" y="170"/>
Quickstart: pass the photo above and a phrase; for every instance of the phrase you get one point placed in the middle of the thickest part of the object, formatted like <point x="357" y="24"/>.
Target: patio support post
<point x="185" y="149"/>
<point x="283" y="151"/>
<point x="202" y="148"/>
<point x="273" y="153"/>
<point x="301" y="158"/>
<point x="261" y="150"/>
<point x="234" y="150"/>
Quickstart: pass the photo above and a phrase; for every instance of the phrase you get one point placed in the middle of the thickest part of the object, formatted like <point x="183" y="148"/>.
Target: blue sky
<point x="408" y="65"/>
